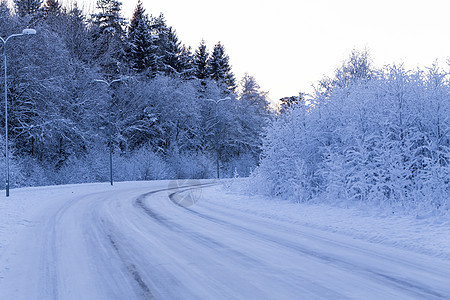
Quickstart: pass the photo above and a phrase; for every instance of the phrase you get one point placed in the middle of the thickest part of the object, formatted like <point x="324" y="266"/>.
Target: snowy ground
<point x="425" y="233"/>
<point x="162" y="240"/>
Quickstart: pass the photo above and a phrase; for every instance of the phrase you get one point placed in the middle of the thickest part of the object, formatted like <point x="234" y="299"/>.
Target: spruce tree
<point x="109" y="18"/>
<point x="107" y="35"/>
<point x="201" y="58"/>
<point x="76" y="15"/>
<point x="77" y="35"/>
<point x="27" y="7"/>
<point x="171" y="53"/>
<point x="141" y="51"/>
<point x="219" y="68"/>
<point x="160" y="32"/>
<point x="185" y="65"/>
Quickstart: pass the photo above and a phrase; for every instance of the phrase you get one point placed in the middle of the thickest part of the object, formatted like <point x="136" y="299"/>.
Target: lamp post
<point x="109" y="83"/>
<point x="216" y="102"/>
<point x="27" y="31"/>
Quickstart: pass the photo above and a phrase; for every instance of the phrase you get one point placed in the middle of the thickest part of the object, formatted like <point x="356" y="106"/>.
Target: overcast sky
<point x="287" y="45"/>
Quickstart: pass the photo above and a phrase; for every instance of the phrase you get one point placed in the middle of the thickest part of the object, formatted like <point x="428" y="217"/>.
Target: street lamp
<point x="219" y="100"/>
<point x="109" y="83"/>
<point x="27" y="31"/>
<point x="216" y="102"/>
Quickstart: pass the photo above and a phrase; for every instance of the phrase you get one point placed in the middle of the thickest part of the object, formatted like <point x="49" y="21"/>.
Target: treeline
<point x="367" y="135"/>
<point x="85" y="84"/>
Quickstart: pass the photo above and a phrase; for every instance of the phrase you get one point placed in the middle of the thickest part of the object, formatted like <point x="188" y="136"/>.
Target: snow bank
<point x="428" y="235"/>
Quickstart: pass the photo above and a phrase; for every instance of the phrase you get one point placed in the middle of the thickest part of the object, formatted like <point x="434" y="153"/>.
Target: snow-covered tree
<point x="219" y="68"/>
<point x="253" y="116"/>
<point x="27" y="7"/>
<point x="185" y="65"/>
<point x="356" y="69"/>
<point x="162" y="114"/>
<point x="48" y="118"/>
<point x="109" y="17"/>
<point x="219" y="125"/>
<point x="382" y="138"/>
<point x="172" y="52"/>
<point x="159" y="31"/>
<point x="52" y="8"/>
<point x="4" y="9"/>
<point x="167" y="46"/>
<point x="76" y="34"/>
<point x="62" y="120"/>
<point x="201" y="58"/>
<point x="287" y="104"/>
<point x="141" y="51"/>
<point x="108" y="33"/>
<point x="256" y="104"/>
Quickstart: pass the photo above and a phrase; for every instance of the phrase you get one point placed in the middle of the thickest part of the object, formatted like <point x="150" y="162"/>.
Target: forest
<point x="87" y="86"/>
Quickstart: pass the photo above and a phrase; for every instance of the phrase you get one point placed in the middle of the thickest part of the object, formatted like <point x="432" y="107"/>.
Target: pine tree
<point x="219" y="67"/>
<point x="201" y="58"/>
<point x="27" y="7"/>
<point x="141" y="51"/>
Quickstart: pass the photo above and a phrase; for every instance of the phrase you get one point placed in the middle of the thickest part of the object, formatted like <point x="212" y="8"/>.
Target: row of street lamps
<point x="27" y="31"/>
<point x="30" y="31"/>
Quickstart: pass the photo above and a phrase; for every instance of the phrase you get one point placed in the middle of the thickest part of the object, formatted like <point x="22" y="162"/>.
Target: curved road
<point x="151" y="243"/>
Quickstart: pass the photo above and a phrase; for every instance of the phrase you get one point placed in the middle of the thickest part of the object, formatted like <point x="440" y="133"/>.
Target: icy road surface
<point x="159" y="241"/>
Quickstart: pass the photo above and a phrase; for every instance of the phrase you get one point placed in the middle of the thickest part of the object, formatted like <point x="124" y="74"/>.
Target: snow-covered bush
<point x="383" y="139"/>
<point x="290" y="157"/>
<point x="94" y="167"/>
<point x="241" y="166"/>
<point x="192" y="165"/>
<point x="142" y="165"/>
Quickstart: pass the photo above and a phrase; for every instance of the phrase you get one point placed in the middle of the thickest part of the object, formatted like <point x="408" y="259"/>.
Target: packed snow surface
<point x="199" y="240"/>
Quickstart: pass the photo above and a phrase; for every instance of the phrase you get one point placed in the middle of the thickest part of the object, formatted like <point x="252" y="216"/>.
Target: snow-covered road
<point x="146" y="241"/>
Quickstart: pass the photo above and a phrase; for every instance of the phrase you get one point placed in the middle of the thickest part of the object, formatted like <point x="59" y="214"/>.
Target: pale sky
<point x="288" y="45"/>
